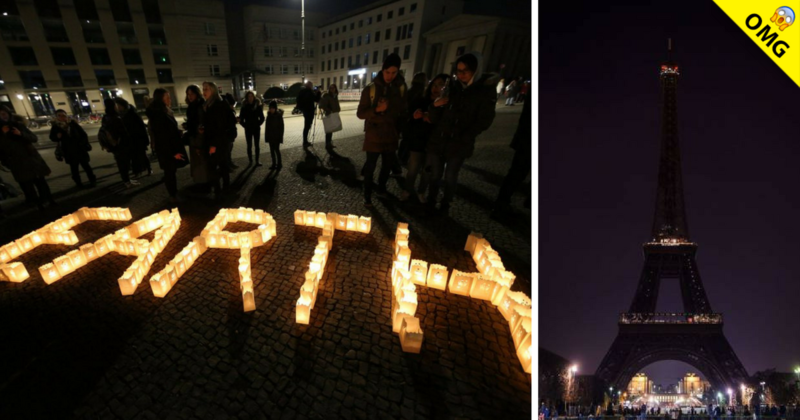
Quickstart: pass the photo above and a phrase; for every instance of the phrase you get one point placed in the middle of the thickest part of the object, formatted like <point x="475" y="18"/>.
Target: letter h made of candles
<point x="329" y="223"/>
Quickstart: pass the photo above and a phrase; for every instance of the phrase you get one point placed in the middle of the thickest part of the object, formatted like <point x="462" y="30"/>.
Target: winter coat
<point x="116" y="128"/>
<point x="137" y="130"/>
<point x="469" y="112"/>
<point x="194" y="114"/>
<point x="329" y="104"/>
<point x="381" y="130"/>
<point x="522" y="138"/>
<point x="273" y="133"/>
<point x="251" y="116"/>
<point x="166" y="137"/>
<point x="306" y="100"/>
<point x="418" y="131"/>
<point x="512" y="89"/>
<point x="74" y="142"/>
<point x="219" y="123"/>
<point x="18" y="154"/>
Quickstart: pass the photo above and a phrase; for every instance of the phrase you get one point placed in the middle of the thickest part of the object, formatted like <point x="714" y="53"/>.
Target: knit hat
<point x="273" y="104"/>
<point x="393" y="60"/>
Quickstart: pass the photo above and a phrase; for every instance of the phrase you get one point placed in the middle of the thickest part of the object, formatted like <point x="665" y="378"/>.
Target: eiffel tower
<point x="694" y="336"/>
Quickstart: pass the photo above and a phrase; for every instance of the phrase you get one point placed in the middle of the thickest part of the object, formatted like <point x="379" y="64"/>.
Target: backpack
<point x="372" y="90"/>
<point x="107" y="141"/>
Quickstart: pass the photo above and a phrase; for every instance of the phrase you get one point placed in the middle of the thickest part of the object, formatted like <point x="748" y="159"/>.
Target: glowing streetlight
<point x="574" y="369"/>
<point x="730" y="396"/>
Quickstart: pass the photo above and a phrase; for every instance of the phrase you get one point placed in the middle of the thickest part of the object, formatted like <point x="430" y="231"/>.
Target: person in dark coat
<point x="273" y="134"/>
<point x="231" y="101"/>
<point x="306" y="102"/>
<point x="466" y="110"/>
<point x="251" y="116"/>
<point x="137" y="133"/>
<point x="415" y="137"/>
<point x="114" y="128"/>
<point x="381" y="106"/>
<point x="166" y="139"/>
<point x="415" y="92"/>
<point x="74" y="145"/>
<point x="197" y="151"/>
<point x="520" y="165"/>
<point x="18" y="154"/>
<point x="329" y="104"/>
<point x="218" y="130"/>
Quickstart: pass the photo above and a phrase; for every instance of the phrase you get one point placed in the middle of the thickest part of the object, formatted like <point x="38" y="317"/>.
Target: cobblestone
<point x="78" y="348"/>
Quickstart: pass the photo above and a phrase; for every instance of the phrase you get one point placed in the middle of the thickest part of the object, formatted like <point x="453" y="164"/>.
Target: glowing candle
<point x="303" y="311"/>
<point x="77" y="258"/>
<point x="437" y="277"/>
<point x="411" y="335"/>
<point x="482" y="287"/>
<point x="320" y="219"/>
<point x="15" y="272"/>
<point x="341" y="222"/>
<point x="248" y="301"/>
<point x="460" y="283"/>
<point x="310" y="218"/>
<point x="352" y="223"/>
<point x="49" y="273"/>
<point x="64" y="265"/>
<point x="419" y="271"/>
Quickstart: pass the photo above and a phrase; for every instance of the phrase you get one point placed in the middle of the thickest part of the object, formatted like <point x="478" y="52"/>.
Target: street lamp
<point x="571" y="376"/>
<point x="730" y="396"/>
<point x="797" y="372"/>
<point x="21" y="98"/>
<point x="303" y="38"/>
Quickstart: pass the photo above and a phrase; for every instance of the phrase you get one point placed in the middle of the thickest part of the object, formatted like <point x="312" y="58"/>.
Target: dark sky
<point x="599" y="137"/>
<point x="519" y="9"/>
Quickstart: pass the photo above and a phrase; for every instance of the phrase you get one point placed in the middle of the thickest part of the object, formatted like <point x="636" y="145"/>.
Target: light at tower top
<point x="669" y="67"/>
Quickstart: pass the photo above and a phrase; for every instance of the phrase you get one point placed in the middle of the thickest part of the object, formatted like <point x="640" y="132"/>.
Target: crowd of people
<point x="709" y="412"/>
<point x="430" y="128"/>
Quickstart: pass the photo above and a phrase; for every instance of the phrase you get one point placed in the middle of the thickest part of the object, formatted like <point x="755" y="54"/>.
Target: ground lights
<point x="125" y="242"/>
<point x="214" y="236"/>
<point x="492" y="283"/>
<point x="54" y="233"/>
<point x="329" y="223"/>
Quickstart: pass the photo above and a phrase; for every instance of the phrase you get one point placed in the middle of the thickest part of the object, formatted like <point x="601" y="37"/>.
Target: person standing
<point x="418" y="129"/>
<point x="415" y="91"/>
<point x="199" y="154"/>
<point x="511" y="93"/>
<point x="520" y="165"/>
<point x="329" y="104"/>
<point x="231" y="101"/>
<point x="306" y="102"/>
<point x="500" y="89"/>
<point x="166" y="140"/>
<point x="74" y="145"/>
<point x="251" y="116"/>
<point x="273" y="134"/>
<point x="114" y="138"/>
<point x="459" y="118"/>
<point x="219" y="122"/>
<point x="381" y="106"/>
<point x="137" y="133"/>
<point x="18" y="154"/>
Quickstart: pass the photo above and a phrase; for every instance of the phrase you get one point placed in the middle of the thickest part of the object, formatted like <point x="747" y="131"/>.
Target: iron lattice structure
<point x="695" y="336"/>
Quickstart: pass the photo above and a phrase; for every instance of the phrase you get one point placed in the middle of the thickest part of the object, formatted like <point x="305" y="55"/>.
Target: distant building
<point x="691" y="384"/>
<point x="354" y="45"/>
<point x="640" y="385"/>
<point x="501" y="41"/>
<point x="72" y="54"/>
<point x="273" y="54"/>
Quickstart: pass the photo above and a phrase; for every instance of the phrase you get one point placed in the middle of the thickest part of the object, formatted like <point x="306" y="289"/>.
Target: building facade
<point x="72" y="54"/>
<point x="274" y="49"/>
<point x="501" y="42"/>
<point x="352" y="47"/>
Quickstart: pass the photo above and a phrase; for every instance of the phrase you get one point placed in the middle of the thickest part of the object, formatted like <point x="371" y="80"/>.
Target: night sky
<point x="599" y="133"/>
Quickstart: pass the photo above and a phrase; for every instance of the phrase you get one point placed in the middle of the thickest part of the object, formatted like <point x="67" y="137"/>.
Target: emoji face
<point x="783" y="17"/>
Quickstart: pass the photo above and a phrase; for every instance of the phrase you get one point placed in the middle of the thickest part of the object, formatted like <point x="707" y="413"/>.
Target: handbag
<point x="332" y="123"/>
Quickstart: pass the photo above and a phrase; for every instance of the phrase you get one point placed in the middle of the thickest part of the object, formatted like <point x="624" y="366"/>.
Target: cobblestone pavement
<point x="78" y="348"/>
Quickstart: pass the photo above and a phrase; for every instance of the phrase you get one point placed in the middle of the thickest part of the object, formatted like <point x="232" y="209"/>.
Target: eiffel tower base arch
<point x="703" y="346"/>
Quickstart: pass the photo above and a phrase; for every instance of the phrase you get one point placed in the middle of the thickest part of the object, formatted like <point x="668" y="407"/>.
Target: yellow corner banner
<point x="771" y="25"/>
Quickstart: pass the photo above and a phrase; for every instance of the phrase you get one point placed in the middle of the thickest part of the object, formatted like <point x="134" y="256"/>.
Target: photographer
<point x="18" y="154"/>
